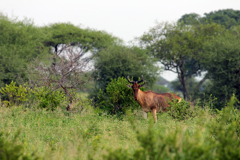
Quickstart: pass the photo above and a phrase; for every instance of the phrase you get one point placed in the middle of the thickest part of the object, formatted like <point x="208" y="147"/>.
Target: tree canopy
<point x="224" y="65"/>
<point x="225" y="17"/>
<point x="121" y="61"/>
<point x="180" y="48"/>
<point x="67" y="33"/>
<point x="19" y="41"/>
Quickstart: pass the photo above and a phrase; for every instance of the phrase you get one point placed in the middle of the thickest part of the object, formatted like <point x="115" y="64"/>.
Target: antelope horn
<point x="129" y="80"/>
<point x="140" y="80"/>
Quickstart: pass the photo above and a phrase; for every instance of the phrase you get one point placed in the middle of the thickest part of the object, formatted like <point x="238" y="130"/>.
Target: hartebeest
<point x="151" y="101"/>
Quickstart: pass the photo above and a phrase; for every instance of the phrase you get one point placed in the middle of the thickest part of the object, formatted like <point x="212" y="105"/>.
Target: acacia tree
<point x="67" y="70"/>
<point x="180" y="49"/>
<point x="67" y="33"/>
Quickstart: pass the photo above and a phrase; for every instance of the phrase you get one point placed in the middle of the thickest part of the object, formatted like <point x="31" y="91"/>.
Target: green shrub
<point x="15" y="94"/>
<point x="10" y="150"/>
<point x="215" y="138"/>
<point x="155" y="145"/>
<point x="118" y="97"/>
<point x="182" y="110"/>
<point x="47" y="98"/>
<point x="225" y="132"/>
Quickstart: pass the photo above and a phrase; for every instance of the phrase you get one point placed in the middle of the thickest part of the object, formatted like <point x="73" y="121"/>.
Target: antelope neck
<point x="139" y="96"/>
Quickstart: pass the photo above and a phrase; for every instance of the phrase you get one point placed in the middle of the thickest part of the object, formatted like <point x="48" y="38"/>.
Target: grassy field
<point x="86" y="135"/>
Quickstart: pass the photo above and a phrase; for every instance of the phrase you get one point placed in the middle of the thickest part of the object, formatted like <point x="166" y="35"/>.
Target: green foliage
<point x="65" y="33"/>
<point x="223" y="65"/>
<point x="155" y="145"/>
<point x="181" y="48"/>
<point x="15" y="94"/>
<point x="19" y="42"/>
<point x="11" y="150"/>
<point x="48" y="98"/>
<point x="122" y="61"/>
<point x="118" y="97"/>
<point x="182" y="110"/>
<point x="225" y="17"/>
<point x="191" y="18"/>
<point x="191" y="85"/>
<point x="60" y="135"/>
<point x="160" y="89"/>
<point x="217" y="139"/>
<point x="230" y="114"/>
<point x="225" y="132"/>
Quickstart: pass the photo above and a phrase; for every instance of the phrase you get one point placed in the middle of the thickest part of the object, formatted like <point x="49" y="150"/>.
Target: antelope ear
<point x="129" y="86"/>
<point x="141" y="85"/>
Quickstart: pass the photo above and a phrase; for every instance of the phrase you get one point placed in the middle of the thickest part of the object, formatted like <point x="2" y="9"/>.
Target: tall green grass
<point x="90" y="135"/>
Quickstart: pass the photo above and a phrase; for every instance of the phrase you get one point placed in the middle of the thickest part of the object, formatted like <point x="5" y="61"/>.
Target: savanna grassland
<point x="90" y="134"/>
<point x="57" y="101"/>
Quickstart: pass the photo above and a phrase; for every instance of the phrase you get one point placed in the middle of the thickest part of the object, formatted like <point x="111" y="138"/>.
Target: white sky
<point x="125" y="19"/>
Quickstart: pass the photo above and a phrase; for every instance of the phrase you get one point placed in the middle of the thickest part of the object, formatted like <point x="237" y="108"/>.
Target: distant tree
<point x="67" y="33"/>
<point x="162" y="81"/>
<point x="160" y="89"/>
<point x="225" y="17"/>
<point x="180" y="49"/>
<point x="122" y="61"/>
<point x="191" y="18"/>
<point x="191" y="85"/>
<point x="68" y="70"/>
<point x="223" y="61"/>
<point x="19" y="42"/>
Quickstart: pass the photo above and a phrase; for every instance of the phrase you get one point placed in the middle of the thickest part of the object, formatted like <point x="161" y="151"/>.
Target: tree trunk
<point x="183" y="81"/>
<point x="70" y="105"/>
<point x="201" y="82"/>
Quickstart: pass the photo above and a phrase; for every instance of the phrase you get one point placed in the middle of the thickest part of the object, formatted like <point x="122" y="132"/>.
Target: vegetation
<point x="179" y="49"/>
<point x="226" y="17"/>
<point x="44" y="69"/>
<point x="19" y="42"/>
<point x="202" y="134"/>
<point x="121" y="61"/>
<point x="118" y="97"/>
<point x="223" y="66"/>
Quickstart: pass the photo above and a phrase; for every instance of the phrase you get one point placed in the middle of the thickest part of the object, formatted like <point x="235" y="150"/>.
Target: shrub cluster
<point x="14" y="94"/>
<point x="118" y="97"/>
<point x="182" y="110"/>
<point x="46" y="97"/>
<point x="10" y="150"/>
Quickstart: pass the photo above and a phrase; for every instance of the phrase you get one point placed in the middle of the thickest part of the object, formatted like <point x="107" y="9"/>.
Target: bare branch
<point x="69" y="70"/>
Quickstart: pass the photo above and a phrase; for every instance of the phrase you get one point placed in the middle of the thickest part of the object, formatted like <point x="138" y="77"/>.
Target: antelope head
<point x="135" y="86"/>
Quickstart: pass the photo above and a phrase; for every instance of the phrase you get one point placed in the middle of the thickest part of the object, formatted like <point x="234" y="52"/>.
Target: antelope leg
<point x="144" y="115"/>
<point x="154" y="115"/>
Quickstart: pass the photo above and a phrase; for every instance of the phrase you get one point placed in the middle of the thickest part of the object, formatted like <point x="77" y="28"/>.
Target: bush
<point x="215" y="138"/>
<point x="9" y="150"/>
<point x="182" y="110"/>
<point x="15" y="94"/>
<point x="118" y="97"/>
<point x="47" y="98"/>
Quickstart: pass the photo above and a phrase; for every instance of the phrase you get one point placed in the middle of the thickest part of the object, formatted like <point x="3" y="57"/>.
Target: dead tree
<point x="68" y="68"/>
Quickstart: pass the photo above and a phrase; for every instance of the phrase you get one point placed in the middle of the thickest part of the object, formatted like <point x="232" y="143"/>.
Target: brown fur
<point x="153" y="102"/>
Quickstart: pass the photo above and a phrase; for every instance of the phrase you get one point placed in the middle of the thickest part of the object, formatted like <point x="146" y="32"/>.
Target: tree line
<point x="207" y="46"/>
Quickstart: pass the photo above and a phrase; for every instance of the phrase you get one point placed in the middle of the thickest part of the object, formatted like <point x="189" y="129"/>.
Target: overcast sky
<point x="125" y="19"/>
